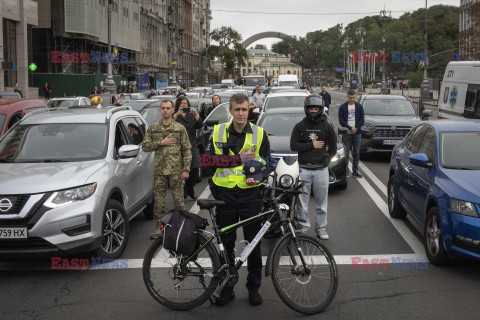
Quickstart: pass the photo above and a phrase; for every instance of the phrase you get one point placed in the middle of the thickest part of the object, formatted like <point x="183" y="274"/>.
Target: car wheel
<point x="115" y="231"/>
<point x="394" y="207"/>
<point x="433" y="239"/>
<point x="148" y="211"/>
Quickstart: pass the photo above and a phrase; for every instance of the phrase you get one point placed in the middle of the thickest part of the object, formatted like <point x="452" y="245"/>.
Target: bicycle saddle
<point x="208" y="204"/>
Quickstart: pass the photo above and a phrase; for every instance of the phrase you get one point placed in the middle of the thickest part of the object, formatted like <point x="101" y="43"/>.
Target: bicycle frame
<point x="247" y="251"/>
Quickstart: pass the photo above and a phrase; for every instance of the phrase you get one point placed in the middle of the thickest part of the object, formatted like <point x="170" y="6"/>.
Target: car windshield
<point x="62" y="103"/>
<point x="2" y="121"/>
<point x="388" y="107"/>
<point x="254" y="81"/>
<point x="137" y="105"/>
<point x="220" y="113"/>
<point x="284" y="102"/>
<point x="57" y="142"/>
<point x="460" y="150"/>
<point x="280" y="124"/>
<point x="151" y="115"/>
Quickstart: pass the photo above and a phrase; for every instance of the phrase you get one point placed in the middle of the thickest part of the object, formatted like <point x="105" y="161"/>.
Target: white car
<point x="283" y="99"/>
<point x="68" y="102"/>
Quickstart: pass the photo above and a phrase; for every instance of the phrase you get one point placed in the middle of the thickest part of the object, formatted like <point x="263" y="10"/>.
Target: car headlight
<point x="464" y="207"/>
<point x="60" y="198"/>
<point x="286" y="181"/>
<point x="369" y="127"/>
<point x="339" y="155"/>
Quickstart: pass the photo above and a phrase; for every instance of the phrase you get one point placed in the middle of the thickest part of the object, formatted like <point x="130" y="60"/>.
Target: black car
<point x="279" y="124"/>
<point x="388" y="119"/>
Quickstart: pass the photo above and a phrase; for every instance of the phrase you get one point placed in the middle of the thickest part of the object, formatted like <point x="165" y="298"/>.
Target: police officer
<point x="315" y="141"/>
<point x="173" y="156"/>
<point x="234" y="144"/>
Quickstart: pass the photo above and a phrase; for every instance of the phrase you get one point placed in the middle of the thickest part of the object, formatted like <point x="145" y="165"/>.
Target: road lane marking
<point x="205" y="194"/>
<point x="374" y="178"/>
<point x="138" y="263"/>
<point x="407" y="235"/>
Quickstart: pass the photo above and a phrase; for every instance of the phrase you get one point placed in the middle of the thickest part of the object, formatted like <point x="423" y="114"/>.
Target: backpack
<point x="179" y="234"/>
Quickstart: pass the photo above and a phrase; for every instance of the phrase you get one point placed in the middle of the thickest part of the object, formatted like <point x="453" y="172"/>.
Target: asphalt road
<point x="358" y="225"/>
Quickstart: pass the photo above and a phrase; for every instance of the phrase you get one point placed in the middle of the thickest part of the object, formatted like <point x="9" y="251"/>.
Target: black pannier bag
<point x="180" y="231"/>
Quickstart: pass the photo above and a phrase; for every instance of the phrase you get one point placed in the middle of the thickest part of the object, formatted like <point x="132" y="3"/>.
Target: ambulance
<point x="459" y="95"/>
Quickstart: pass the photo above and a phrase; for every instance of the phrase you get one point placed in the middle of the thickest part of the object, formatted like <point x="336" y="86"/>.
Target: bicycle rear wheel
<point x="178" y="285"/>
<point x="306" y="290"/>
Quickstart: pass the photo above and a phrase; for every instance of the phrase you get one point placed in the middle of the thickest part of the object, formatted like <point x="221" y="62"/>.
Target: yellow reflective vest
<point x="231" y="177"/>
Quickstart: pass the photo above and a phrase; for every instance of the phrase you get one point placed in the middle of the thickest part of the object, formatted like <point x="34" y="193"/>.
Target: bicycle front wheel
<point x="304" y="274"/>
<point x="179" y="284"/>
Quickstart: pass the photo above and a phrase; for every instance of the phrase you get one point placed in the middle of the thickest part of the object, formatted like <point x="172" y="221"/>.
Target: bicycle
<point x="296" y="260"/>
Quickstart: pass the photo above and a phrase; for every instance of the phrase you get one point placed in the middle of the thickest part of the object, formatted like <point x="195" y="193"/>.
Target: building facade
<point x="469" y="27"/>
<point x="18" y="17"/>
<point x="270" y="64"/>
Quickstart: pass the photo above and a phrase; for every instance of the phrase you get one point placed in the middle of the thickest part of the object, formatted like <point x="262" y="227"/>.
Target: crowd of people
<point x="238" y="146"/>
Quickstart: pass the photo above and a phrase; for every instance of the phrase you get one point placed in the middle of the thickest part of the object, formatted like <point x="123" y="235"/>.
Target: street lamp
<point x="384" y="89"/>
<point x="425" y="85"/>
<point x="361" y="32"/>
<point x="109" y="83"/>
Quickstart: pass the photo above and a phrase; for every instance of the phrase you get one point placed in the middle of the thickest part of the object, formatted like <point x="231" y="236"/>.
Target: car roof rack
<point x="40" y="110"/>
<point x="117" y="109"/>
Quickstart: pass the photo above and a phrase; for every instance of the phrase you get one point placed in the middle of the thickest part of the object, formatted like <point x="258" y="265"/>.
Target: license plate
<point x="13" y="233"/>
<point x="390" y="142"/>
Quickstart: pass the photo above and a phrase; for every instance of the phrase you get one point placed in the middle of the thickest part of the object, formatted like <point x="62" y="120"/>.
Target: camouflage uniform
<point x="170" y="161"/>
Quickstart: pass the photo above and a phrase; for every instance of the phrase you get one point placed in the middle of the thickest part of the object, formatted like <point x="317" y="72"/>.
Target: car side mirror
<point x="426" y="114"/>
<point x="420" y="160"/>
<point x="256" y="111"/>
<point x="210" y="123"/>
<point x="128" y="151"/>
<point x="343" y="130"/>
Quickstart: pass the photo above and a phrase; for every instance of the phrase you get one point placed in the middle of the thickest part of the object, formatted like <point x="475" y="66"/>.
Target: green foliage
<point x="415" y="79"/>
<point x="229" y="50"/>
<point x="323" y="49"/>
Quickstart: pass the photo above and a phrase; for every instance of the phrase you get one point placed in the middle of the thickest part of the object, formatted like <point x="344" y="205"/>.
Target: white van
<point x="288" y="80"/>
<point x="459" y="96"/>
<point x="229" y="82"/>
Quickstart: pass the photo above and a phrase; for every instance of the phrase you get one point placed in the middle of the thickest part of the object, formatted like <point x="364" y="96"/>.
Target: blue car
<point x="435" y="179"/>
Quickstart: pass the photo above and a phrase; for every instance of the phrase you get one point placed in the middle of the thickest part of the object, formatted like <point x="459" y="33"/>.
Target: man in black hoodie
<point x="316" y="143"/>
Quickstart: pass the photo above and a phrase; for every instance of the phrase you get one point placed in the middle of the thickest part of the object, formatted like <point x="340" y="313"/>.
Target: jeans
<point x="319" y="184"/>
<point x="352" y="140"/>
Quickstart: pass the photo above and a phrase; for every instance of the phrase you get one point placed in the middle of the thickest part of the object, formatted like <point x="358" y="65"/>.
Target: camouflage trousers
<point x="160" y="185"/>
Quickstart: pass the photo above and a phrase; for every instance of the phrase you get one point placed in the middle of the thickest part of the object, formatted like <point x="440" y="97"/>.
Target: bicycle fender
<point x="269" y="264"/>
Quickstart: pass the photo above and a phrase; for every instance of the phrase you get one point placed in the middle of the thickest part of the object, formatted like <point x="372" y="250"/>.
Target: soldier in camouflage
<point x="173" y="156"/>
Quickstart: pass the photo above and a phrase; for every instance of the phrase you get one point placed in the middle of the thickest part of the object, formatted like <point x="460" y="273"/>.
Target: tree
<point x="261" y="47"/>
<point x="230" y="50"/>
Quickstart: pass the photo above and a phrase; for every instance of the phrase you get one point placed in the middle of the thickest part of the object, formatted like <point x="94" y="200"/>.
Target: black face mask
<point x="313" y="116"/>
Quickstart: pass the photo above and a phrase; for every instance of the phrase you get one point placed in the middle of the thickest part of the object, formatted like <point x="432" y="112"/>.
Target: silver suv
<point x="71" y="180"/>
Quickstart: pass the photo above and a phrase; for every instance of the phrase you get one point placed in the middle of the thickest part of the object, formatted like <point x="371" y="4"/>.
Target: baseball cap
<point x="254" y="169"/>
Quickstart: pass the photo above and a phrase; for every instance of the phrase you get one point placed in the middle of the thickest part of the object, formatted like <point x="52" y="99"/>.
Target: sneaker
<point x="254" y="297"/>
<point x="226" y="296"/>
<point x="322" y="233"/>
<point x="356" y="174"/>
<point x="158" y="233"/>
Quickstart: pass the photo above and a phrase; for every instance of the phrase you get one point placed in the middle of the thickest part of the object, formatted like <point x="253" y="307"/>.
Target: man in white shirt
<point x="258" y="100"/>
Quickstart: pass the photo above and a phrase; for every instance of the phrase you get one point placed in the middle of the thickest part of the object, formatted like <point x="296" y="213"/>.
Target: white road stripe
<point x="157" y="263"/>
<point x="402" y="229"/>
<point x="374" y="178"/>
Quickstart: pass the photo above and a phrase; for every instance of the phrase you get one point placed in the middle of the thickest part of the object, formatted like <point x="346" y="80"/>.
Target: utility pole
<point x="172" y="10"/>
<point x="109" y="83"/>
<point x="425" y="85"/>
<point x="384" y="89"/>
<point x="207" y="35"/>
<point x="361" y="32"/>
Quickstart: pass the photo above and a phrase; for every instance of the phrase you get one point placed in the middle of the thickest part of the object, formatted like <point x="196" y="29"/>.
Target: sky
<point x="321" y="14"/>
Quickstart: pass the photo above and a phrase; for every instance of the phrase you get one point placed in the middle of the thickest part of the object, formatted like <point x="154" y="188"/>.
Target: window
<point x="120" y="137"/>
<point x="414" y="139"/>
<point x="125" y="12"/>
<point x="134" y="132"/>
<point x="14" y="119"/>
<point x="428" y="144"/>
